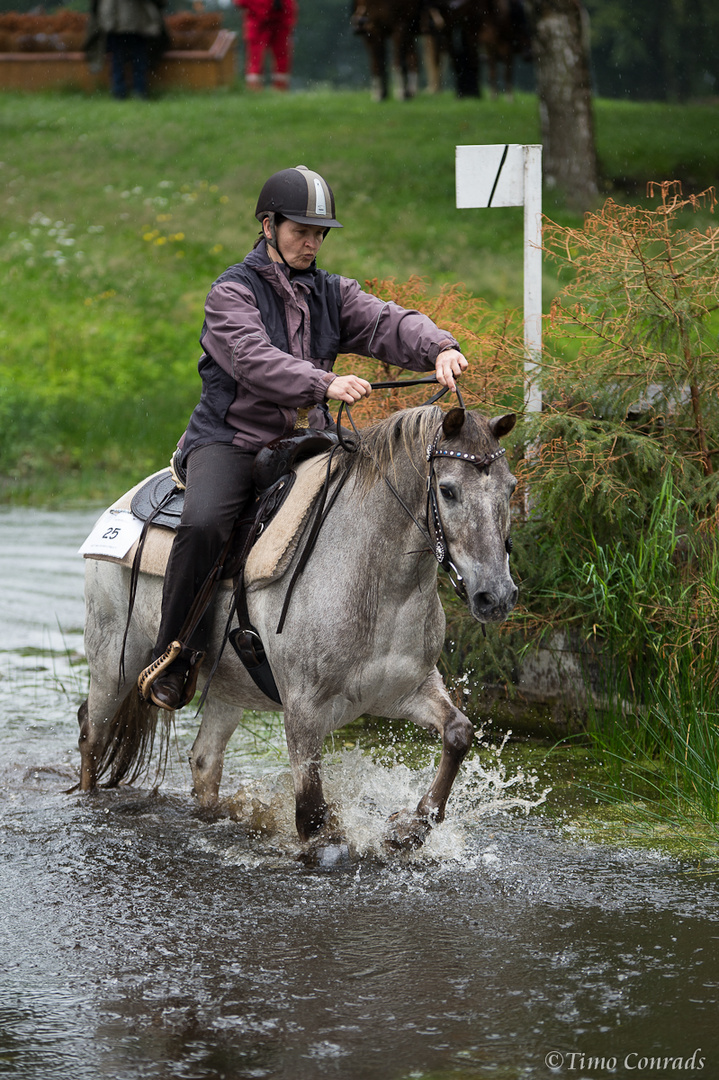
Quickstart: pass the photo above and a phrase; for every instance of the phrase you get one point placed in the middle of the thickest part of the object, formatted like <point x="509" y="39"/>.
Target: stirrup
<point x="147" y="677"/>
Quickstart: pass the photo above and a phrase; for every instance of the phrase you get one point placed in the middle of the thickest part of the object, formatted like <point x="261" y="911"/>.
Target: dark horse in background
<point x="385" y="22"/>
<point x="459" y="29"/>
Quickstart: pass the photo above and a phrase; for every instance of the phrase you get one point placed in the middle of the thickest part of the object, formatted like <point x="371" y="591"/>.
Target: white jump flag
<point x="511" y="175"/>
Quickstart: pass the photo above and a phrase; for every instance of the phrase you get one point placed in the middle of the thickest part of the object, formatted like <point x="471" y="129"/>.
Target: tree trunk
<point x="565" y="100"/>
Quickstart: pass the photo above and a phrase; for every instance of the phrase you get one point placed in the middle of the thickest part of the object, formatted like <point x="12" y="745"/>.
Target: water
<point x="139" y="939"/>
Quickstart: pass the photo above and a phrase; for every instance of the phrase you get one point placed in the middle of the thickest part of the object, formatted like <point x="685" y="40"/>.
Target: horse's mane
<point x="401" y="440"/>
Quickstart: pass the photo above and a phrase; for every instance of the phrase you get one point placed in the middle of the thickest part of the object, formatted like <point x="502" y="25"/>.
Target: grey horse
<point x="364" y="628"/>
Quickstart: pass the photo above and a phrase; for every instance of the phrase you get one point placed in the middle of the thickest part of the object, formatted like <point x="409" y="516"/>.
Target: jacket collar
<point x="259" y="260"/>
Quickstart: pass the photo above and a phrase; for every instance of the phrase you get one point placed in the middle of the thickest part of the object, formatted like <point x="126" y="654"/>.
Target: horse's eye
<point x="508" y="545"/>
<point x="446" y="492"/>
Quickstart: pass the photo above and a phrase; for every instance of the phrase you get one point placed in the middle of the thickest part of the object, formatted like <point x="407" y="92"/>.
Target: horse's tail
<point x="131" y="740"/>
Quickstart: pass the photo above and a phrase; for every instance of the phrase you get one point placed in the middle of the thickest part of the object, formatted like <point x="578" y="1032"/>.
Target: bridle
<point x="441" y="547"/>
<point x="433" y="519"/>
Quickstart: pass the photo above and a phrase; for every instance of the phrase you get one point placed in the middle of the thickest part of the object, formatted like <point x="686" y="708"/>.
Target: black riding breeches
<point x="219" y="487"/>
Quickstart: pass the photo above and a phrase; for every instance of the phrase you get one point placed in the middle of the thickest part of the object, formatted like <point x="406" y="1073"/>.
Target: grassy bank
<point x="116" y="217"/>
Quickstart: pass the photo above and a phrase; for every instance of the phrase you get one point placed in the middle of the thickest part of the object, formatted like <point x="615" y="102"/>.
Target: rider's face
<point x="298" y="243"/>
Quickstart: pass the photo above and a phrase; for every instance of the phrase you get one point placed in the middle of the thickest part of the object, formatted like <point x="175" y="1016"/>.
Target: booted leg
<point x="219" y="487"/>
<point x="281" y="48"/>
<point x="116" y="46"/>
<point x="256" y="43"/>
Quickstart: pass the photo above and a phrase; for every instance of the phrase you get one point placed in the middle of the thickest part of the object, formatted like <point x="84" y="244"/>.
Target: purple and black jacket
<point x="271" y="337"/>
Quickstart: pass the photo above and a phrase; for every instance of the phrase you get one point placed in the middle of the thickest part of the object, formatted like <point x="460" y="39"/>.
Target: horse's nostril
<point x="490" y="603"/>
<point x="485" y="599"/>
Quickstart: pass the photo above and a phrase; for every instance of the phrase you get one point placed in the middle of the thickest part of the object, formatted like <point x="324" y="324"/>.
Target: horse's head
<point x="472" y="501"/>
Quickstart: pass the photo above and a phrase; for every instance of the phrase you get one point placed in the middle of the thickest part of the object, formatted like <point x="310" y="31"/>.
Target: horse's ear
<point x="453" y="422"/>
<point x="502" y="425"/>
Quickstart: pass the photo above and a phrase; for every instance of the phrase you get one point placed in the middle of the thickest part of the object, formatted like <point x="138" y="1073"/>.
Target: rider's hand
<point x="449" y="365"/>
<point x="349" y="388"/>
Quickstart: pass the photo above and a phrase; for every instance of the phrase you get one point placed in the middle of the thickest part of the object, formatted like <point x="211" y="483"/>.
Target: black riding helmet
<point x="300" y="195"/>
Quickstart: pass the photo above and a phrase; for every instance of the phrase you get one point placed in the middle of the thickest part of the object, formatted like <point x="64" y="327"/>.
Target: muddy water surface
<point x="140" y="940"/>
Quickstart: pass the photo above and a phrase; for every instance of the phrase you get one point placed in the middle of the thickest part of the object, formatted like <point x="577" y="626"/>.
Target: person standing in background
<point x="268" y="27"/>
<point x="133" y="33"/>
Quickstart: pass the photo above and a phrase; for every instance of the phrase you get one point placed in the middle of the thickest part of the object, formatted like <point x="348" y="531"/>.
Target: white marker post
<point x="511" y="175"/>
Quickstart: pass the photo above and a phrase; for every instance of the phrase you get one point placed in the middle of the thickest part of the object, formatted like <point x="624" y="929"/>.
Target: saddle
<point x="159" y="501"/>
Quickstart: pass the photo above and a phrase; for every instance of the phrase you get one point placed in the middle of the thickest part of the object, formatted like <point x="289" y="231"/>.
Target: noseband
<point x="441" y="547"/>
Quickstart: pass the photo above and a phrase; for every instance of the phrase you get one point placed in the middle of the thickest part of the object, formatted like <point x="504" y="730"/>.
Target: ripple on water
<point x="143" y="940"/>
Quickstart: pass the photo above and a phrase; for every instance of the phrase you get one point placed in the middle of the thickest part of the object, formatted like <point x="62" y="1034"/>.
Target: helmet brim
<point x="324" y="223"/>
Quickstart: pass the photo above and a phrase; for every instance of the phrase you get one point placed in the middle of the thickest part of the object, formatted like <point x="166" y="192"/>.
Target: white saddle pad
<point x="268" y="560"/>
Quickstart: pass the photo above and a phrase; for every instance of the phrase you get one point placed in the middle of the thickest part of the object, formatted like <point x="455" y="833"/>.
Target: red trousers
<point x="263" y="36"/>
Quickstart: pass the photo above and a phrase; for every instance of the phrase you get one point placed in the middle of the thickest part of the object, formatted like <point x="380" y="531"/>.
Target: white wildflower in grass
<point x="44" y="241"/>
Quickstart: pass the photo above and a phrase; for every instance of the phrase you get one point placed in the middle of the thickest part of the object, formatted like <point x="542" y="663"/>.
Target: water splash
<point x="364" y="792"/>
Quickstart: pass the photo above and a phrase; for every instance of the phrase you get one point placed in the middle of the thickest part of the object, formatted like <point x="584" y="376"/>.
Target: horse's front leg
<point x="305" y="730"/>
<point x="509" y="78"/>
<point x="305" y="752"/>
<point x="404" y="64"/>
<point x="430" y="707"/>
<point x="378" y="66"/>
<point x="492" y="75"/>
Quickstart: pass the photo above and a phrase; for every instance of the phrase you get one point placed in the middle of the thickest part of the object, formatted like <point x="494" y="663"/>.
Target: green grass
<point x="116" y="217"/>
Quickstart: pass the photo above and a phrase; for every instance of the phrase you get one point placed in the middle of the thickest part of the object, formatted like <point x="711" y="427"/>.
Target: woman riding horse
<point x="274" y="325"/>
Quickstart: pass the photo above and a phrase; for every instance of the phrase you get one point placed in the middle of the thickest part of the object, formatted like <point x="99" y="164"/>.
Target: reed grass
<point x="654" y="716"/>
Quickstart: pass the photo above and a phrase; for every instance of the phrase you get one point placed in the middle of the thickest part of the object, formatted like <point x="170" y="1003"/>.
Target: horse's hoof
<point x="406" y="831"/>
<point x="330" y="855"/>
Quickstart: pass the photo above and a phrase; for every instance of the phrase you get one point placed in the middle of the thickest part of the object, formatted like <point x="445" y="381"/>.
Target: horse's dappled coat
<point x="364" y="630"/>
